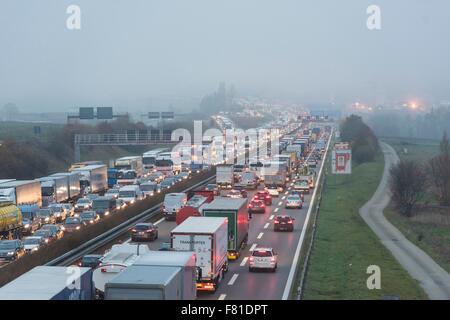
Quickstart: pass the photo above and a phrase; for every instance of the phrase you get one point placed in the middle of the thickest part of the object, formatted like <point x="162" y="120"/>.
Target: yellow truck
<point x="10" y="221"/>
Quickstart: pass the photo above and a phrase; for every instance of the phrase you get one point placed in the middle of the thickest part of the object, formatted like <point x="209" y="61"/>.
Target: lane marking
<point x="280" y="203"/>
<point x="222" y="296"/>
<point x="159" y="221"/>
<point x="233" y="279"/>
<point x="244" y="261"/>
<point x="276" y="209"/>
<point x="271" y="217"/>
<point x="266" y="225"/>
<point x="253" y="247"/>
<point x="286" y="192"/>
<point x="129" y="240"/>
<point x="290" y="280"/>
<point x="260" y="235"/>
<point x="284" y="197"/>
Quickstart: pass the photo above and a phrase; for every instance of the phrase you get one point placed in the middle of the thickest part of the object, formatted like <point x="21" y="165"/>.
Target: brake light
<point x="276" y="221"/>
<point x="251" y="259"/>
<point x="272" y="259"/>
<point x="290" y="221"/>
<point x="133" y="230"/>
<point x="250" y="206"/>
<point x="267" y="197"/>
<point x="103" y="270"/>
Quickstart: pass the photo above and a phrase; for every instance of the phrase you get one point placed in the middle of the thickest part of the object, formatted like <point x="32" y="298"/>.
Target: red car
<point x="256" y="206"/>
<point x="263" y="196"/>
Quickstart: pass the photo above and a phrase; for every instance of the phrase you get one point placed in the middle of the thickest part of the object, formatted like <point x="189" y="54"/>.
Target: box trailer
<point x="93" y="176"/>
<point x="185" y="260"/>
<point x="73" y="183"/>
<point x="11" y="226"/>
<point x="146" y="283"/>
<point x="235" y="210"/>
<point x="53" y="190"/>
<point x="50" y="283"/>
<point x="21" y="192"/>
<point x="207" y="237"/>
<point x="225" y="176"/>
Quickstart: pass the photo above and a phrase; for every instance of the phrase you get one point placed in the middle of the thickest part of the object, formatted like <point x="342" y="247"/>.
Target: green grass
<point x="345" y="246"/>
<point x="430" y="236"/>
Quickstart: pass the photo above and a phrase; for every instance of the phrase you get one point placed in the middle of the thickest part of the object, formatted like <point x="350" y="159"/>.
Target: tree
<point x="408" y="185"/>
<point x="439" y="169"/>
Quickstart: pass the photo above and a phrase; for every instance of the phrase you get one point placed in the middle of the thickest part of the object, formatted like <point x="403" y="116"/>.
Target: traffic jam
<point x="211" y="222"/>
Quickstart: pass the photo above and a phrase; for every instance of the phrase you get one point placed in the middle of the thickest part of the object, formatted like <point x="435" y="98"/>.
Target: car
<point x="83" y="204"/>
<point x="263" y="196"/>
<point x="45" y="215"/>
<point x="11" y="249"/>
<point x="55" y="231"/>
<point x="89" y="217"/>
<point x="312" y="163"/>
<point x="103" y="206"/>
<point x="235" y="194"/>
<point x="301" y="185"/>
<point x="299" y="193"/>
<point x="178" y="178"/>
<point x="256" y="206"/>
<point x="72" y="224"/>
<point x="166" y="184"/>
<point x="45" y="234"/>
<point x="156" y="177"/>
<point x="283" y="223"/>
<point x="92" y="196"/>
<point x="90" y="261"/>
<point x="68" y="207"/>
<point x="59" y="211"/>
<point x="293" y="201"/>
<point x="114" y="193"/>
<point x="149" y="188"/>
<point x="184" y="175"/>
<point x="263" y="259"/>
<point x="212" y="187"/>
<point x="33" y="243"/>
<point x="144" y="231"/>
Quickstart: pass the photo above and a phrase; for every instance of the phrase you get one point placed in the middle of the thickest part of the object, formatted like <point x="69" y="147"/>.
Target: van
<point x="173" y="202"/>
<point x="130" y="193"/>
<point x="103" y="206"/>
<point x="249" y="180"/>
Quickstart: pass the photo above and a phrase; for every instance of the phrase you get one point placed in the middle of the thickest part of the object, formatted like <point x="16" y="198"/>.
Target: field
<point x="429" y="229"/>
<point x="345" y="246"/>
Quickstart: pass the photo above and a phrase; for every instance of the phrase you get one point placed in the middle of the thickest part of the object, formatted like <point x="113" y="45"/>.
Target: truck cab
<point x="130" y="194"/>
<point x="173" y="202"/>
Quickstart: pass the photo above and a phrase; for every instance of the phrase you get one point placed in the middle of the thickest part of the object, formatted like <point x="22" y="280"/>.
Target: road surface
<point x="432" y="278"/>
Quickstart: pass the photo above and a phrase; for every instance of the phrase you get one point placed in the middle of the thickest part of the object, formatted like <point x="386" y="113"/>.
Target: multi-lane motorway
<point x="238" y="283"/>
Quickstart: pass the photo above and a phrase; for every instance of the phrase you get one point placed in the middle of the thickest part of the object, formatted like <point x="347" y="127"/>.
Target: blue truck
<point x="112" y="177"/>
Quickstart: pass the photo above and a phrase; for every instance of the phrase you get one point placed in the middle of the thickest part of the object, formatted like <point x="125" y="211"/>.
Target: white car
<point x="263" y="258"/>
<point x="31" y="244"/>
<point x="294" y="201"/>
<point x="273" y="191"/>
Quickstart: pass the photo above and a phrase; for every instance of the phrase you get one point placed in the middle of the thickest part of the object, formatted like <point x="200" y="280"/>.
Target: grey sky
<point x="130" y="53"/>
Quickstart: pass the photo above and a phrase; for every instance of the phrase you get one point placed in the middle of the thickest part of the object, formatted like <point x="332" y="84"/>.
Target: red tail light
<point x="267" y="197"/>
<point x="103" y="270"/>
<point x="290" y="221"/>
<point x="251" y="259"/>
<point x="276" y="221"/>
<point x="250" y="206"/>
<point x="272" y="259"/>
<point x="133" y="230"/>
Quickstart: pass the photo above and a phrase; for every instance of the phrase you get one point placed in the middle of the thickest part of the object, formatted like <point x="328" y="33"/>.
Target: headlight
<point x="47" y="219"/>
<point x="92" y="221"/>
<point x="106" y="213"/>
<point x="132" y="201"/>
<point x="78" y="228"/>
<point x="46" y="240"/>
<point x="35" y="249"/>
<point x="27" y="226"/>
<point x="10" y="253"/>
<point x="62" y="228"/>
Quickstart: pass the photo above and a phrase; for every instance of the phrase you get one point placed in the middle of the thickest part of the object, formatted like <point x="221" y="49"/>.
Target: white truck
<point x="148" y="278"/>
<point x="93" y="177"/>
<point x="21" y="192"/>
<point x="73" y="183"/>
<point x="208" y="238"/>
<point x="114" y="261"/>
<point x="130" y="194"/>
<point x="225" y="176"/>
<point x="54" y="190"/>
<point x="173" y="202"/>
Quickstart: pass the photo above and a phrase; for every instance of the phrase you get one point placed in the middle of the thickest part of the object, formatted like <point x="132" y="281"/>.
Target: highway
<point x="238" y="283"/>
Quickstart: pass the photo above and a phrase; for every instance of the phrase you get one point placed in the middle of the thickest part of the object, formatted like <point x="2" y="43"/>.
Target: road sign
<point x="105" y="113"/>
<point x="86" y="113"/>
<point x="341" y="161"/>
<point x="154" y="115"/>
<point x="167" y="115"/>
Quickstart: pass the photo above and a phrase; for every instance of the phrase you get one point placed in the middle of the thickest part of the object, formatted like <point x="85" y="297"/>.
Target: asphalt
<point x="432" y="278"/>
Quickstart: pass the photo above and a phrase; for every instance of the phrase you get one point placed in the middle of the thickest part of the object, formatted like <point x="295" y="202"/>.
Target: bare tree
<point x="439" y="168"/>
<point x="407" y="184"/>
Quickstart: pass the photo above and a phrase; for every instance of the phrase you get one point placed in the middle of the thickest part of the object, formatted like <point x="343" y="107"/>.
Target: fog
<point x="146" y="54"/>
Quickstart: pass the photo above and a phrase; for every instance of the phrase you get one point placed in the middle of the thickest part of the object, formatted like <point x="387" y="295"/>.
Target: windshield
<point x="101" y="204"/>
<point x="83" y="201"/>
<point x="126" y="175"/>
<point x="5" y="245"/>
<point x="148" y="187"/>
<point x="163" y="163"/>
<point x="43" y="213"/>
<point x="127" y="194"/>
<point x="264" y="253"/>
<point x="27" y="215"/>
<point x="32" y="241"/>
<point x="47" y="191"/>
<point x="72" y="221"/>
<point x="90" y="259"/>
<point x="148" y="160"/>
<point x="293" y="198"/>
<point x="87" y="215"/>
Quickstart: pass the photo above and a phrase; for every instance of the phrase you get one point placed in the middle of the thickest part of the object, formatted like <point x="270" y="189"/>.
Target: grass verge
<point x="345" y="246"/>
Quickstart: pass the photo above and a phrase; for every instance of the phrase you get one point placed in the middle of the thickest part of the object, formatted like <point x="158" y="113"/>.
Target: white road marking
<point x="286" y="192"/>
<point x="127" y="241"/>
<point x="244" y="261"/>
<point x="280" y="203"/>
<point x="284" y="197"/>
<point x="266" y="225"/>
<point x="253" y="247"/>
<point x="276" y="209"/>
<point x="222" y="296"/>
<point x="260" y="235"/>
<point x="159" y="221"/>
<point x="272" y="216"/>
<point x="291" y="184"/>
<point x="233" y="279"/>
